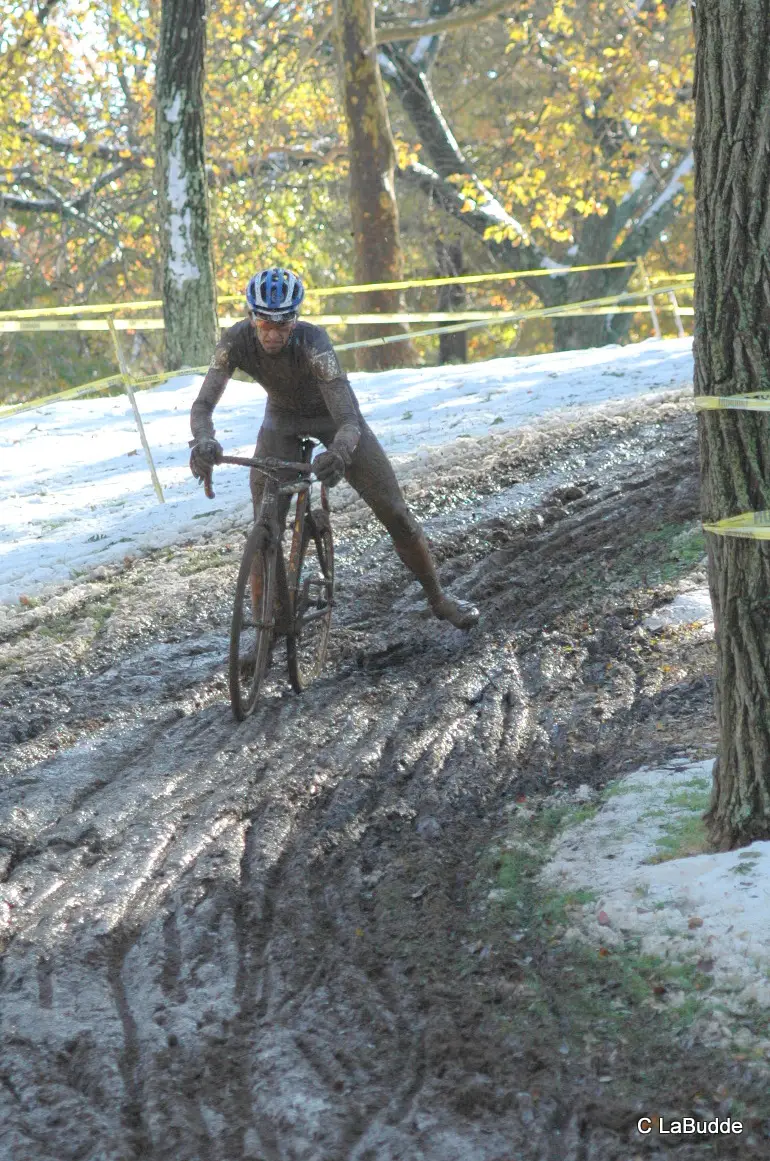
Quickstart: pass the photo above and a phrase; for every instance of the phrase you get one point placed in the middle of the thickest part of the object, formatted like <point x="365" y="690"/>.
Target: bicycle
<point x="274" y="598"/>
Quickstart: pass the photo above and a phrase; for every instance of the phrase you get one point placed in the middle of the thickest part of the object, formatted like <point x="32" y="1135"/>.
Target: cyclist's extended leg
<point x="372" y="476"/>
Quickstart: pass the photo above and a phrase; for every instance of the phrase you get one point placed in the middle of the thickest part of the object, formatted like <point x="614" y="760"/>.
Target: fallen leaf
<point x="603" y="919"/>
<point x="694" y="921"/>
<point x="659" y="989"/>
<point x="604" y="951"/>
<point x="705" y="965"/>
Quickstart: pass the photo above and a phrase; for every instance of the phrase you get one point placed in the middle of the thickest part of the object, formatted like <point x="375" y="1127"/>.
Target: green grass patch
<point x="573" y="989"/>
<point x="206" y="515"/>
<point x="65" y="626"/>
<point x="695" y="796"/>
<point x="682" y="838"/>
<point x="660" y="555"/>
<point x="746" y="866"/>
<point x="204" y="561"/>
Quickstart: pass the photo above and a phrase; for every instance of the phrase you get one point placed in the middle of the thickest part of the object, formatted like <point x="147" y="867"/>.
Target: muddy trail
<point x="275" y="941"/>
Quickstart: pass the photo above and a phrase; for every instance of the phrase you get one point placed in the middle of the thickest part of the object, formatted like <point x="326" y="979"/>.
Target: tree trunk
<point x="576" y="332"/>
<point x="732" y="355"/>
<point x="373" y="207"/>
<point x="452" y="348"/>
<point x="189" y="289"/>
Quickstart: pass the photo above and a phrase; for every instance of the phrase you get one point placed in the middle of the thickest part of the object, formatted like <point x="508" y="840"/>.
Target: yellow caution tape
<point x="751" y="525"/>
<point x="756" y="401"/>
<point x="567" y="309"/>
<point x="80" y="324"/>
<point x="59" y="396"/>
<point x="465" y="279"/>
<point x="335" y="320"/>
<point x="95" y="386"/>
<point x="514" y="316"/>
<point x="97" y="308"/>
<point x="31" y="326"/>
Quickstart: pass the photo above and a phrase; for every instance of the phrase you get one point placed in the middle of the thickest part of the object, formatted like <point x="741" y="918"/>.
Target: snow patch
<point x="79" y="495"/>
<point x="672" y="189"/>
<point x="174" y="109"/>
<point x="182" y="264"/>
<point x="712" y="910"/>
<point x="420" y="50"/>
<point x="693" y="607"/>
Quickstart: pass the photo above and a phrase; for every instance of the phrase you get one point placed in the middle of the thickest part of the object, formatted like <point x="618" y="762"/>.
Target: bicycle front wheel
<point x="251" y="630"/>
<point x="306" y="647"/>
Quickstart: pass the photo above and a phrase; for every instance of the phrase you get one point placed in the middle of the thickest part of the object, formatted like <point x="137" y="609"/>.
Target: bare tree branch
<point x="517" y="252"/>
<point x="657" y="216"/>
<point x="54" y="204"/>
<point x="410" y="30"/>
<point x="86" y="148"/>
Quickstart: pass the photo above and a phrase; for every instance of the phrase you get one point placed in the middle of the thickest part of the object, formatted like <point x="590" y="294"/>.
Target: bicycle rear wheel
<point x="251" y="629"/>
<point x="306" y="647"/>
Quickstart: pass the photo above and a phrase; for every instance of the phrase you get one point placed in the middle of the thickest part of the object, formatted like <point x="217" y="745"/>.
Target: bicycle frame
<point x="268" y="600"/>
<point x="287" y="575"/>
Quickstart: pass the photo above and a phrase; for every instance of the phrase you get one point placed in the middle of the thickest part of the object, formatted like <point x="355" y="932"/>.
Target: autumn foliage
<point x="559" y="109"/>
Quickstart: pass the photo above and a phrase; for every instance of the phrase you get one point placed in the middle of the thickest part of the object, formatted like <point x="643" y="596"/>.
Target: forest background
<point x="525" y="134"/>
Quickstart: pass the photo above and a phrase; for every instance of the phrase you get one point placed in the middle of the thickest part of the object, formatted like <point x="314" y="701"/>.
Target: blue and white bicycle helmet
<point x="275" y="293"/>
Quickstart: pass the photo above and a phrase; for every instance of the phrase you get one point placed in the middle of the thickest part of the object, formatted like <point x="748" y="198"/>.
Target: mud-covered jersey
<point x="304" y="379"/>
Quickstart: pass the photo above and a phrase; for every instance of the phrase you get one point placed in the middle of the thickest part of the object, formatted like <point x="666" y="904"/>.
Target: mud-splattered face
<point x="273" y="336"/>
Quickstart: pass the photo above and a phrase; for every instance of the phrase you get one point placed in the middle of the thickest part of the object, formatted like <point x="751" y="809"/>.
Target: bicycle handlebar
<point x="301" y="469"/>
<point x="264" y="462"/>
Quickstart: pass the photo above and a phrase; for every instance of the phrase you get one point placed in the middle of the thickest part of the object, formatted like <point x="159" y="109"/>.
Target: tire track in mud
<point x="252" y="931"/>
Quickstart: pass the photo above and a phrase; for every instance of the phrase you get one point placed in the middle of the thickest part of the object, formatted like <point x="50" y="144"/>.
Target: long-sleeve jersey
<point x="305" y="379"/>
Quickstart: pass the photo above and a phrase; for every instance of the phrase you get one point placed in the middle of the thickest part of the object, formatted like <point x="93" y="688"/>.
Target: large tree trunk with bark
<point x="189" y="289"/>
<point x="373" y="207"/>
<point x="732" y="355"/>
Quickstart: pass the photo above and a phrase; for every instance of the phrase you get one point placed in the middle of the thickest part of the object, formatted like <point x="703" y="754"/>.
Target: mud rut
<point x="227" y="942"/>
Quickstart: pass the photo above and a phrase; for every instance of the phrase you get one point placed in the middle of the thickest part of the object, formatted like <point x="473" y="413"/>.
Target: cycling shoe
<point x="461" y="614"/>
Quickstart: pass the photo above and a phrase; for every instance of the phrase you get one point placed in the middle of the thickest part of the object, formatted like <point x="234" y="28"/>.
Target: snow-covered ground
<point x="78" y="494"/>
<point x="709" y="910"/>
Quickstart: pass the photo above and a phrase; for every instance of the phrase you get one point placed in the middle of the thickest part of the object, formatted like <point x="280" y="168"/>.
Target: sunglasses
<point x="265" y="320"/>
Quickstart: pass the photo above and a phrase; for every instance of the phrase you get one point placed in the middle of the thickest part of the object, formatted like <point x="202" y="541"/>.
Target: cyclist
<point x="308" y="394"/>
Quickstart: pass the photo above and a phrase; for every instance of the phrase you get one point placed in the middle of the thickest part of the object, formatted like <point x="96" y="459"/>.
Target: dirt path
<point x="274" y="942"/>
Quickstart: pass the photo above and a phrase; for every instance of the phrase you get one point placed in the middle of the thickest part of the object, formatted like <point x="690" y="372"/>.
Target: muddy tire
<point x="251" y="629"/>
<point x="306" y="648"/>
